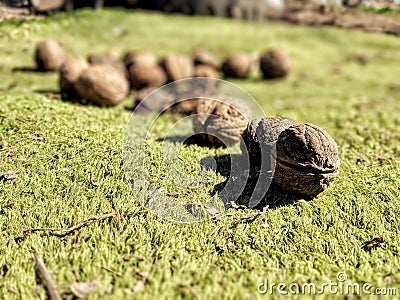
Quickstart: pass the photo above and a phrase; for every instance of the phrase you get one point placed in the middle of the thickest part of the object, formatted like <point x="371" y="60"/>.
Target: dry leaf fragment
<point x="83" y="289"/>
<point x="4" y="144"/>
<point x="9" y="175"/>
<point x="139" y="287"/>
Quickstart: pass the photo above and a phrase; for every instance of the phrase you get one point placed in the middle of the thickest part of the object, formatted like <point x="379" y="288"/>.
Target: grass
<point x="59" y="145"/>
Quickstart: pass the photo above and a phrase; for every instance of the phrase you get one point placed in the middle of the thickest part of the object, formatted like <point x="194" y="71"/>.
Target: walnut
<point x="205" y="71"/>
<point x="264" y="131"/>
<point x="144" y="58"/>
<point x="49" y="55"/>
<point x="275" y="64"/>
<point x="146" y="76"/>
<point x="307" y="160"/>
<point x="108" y="60"/>
<point x="69" y="74"/>
<point x="159" y="102"/>
<point x="177" y="67"/>
<point x="144" y="70"/>
<point x="238" y="65"/>
<point x="186" y="107"/>
<point x="204" y="57"/>
<point x="139" y="95"/>
<point x="103" y="85"/>
<point x="221" y="122"/>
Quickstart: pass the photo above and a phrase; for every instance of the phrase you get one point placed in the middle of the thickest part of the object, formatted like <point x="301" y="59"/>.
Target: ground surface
<point x="346" y="82"/>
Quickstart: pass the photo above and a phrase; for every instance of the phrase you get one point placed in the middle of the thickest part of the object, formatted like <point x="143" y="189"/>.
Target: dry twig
<point x="51" y="287"/>
<point x="75" y="227"/>
<point x="112" y="271"/>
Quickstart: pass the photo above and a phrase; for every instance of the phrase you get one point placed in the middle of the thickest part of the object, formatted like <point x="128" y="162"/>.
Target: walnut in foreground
<point x="262" y="131"/>
<point x="307" y="160"/>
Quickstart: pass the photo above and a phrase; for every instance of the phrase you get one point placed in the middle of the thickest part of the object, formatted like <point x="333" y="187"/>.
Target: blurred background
<point x="246" y="9"/>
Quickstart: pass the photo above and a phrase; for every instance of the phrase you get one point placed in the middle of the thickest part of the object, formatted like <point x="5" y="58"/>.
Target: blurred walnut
<point x="307" y="160"/>
<point x="103" y="85"/>
<point x="108" y="60"/>
<point x="144" y="58"/>
<point x="144" y="70"/>
<point x="49" y="55"/>
<point x="159" y="102"/>
<point x="177" y="67"/>
<point x="221" y="122"/>
<point x="69" y="74"/>
<point x="238" y="65"/>
<point x="205" y="71"/>
<point x="275" y="64"/>
<point x="146" y="76"/>
<point x="186" y="107"/>
<point x="141" y="94"/>
<point x="204" y="57"/>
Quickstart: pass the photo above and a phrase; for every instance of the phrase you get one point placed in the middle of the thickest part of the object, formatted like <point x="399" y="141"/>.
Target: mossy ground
<point x="60" y="145"/>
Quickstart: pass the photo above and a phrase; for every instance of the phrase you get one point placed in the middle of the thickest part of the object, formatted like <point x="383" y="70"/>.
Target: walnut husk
<point x="275" y="64"/>
<point x="103" y="85"/>
<point x="307" y="160"/>
<point x="49" y="56"/>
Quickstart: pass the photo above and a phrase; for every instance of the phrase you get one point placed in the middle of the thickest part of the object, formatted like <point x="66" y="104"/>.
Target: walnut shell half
<point x="307" y="159"/>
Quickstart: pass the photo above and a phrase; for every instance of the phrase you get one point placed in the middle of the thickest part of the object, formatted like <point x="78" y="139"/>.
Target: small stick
<point x="112" y="271"/>
<point x="75" y="227"/>
<point x="51" y="287"/>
